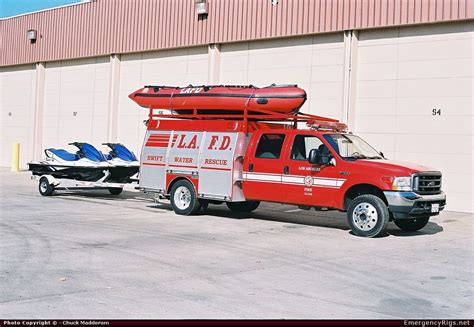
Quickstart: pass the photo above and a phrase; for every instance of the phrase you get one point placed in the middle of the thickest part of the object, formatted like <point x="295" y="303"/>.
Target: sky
<point x="10" y="8"/>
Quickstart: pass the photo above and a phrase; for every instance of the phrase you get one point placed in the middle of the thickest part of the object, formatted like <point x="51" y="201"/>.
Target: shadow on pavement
<point x="328" y="219"/>
<point x="430" y="229"/>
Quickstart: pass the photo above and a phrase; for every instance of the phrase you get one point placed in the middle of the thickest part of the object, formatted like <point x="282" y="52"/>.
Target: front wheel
<point x="412" y="225"/>
<point x="184" y="199"/>
<point x="244" y="206"/>
<point x="368" y="216"/>
<point x="45" y="188"/>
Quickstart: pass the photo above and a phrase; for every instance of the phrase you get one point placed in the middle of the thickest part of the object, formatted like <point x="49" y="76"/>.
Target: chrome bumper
<point x="410" y="204"/>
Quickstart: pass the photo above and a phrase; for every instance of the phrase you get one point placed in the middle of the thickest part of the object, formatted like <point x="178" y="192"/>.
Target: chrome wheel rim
<point x="43" y="186"/>
<point x="182" y="197"/>
<point x="365" y="216"/>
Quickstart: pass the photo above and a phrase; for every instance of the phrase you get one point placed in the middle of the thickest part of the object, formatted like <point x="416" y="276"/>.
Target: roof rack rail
<point x="256" y="115"/>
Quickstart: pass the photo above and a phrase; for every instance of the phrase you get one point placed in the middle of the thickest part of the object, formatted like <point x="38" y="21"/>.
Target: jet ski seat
<point x="119" y="151"/>
<point x="63" y="154"/>
<point x="90" y="152"/>
<point x="124" y="153"/>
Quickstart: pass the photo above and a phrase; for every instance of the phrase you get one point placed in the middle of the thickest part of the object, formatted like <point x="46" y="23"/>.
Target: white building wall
<point x="402" y="74"/>
<point x="171" y="67"/>
<point x="17" y="105"/>
<point x="76" y="102"/>
<point x="315" y="63"/>
<point x="405" y="73"/>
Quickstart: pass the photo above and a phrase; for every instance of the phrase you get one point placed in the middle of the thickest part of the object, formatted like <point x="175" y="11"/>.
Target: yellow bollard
<point x="16" y="156"/>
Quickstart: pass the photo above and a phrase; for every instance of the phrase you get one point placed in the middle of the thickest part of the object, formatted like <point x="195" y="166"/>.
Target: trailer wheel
<point x="368" y="216"/>
<point x="244" y="206"/>
<point x="412" y="225"/>
<point x="183" y="198"/>
<point x="45" y="188"/>
<point x="115" y="190"/>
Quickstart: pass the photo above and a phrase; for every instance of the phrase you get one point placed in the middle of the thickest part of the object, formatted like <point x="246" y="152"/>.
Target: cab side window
<point x="269" y="146"/>
<point x="303" y="144"/>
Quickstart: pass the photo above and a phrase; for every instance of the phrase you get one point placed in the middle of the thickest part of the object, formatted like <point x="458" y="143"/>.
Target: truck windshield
<point x="351" y="147"/>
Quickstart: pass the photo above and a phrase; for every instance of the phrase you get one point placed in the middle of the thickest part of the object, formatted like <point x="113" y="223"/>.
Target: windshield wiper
<point x="374" y="157"/>
<point x="356" y="155"/>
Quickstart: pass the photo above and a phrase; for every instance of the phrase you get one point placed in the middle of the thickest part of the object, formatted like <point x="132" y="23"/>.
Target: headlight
<point x="401" y="184"/>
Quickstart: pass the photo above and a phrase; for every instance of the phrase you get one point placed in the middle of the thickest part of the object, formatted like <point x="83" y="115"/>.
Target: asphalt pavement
<point x="99" y="256"/>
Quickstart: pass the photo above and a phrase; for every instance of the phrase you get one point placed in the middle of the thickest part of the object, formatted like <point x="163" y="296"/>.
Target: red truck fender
<point x="171" y="179"/>
<point x="354" y="189"/>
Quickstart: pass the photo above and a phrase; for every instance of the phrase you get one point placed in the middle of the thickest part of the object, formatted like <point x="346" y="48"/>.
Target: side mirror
<point x="314" y="157"/>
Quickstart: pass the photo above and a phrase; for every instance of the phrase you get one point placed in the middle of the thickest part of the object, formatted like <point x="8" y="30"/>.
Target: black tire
<point x="203" y="205"/>
<point x="244" y="206"/>
<point x="115" y="190"/>
<point x="188" y="206"/>
<point x="412" y="225"/>
<point x="368" y="216"/>
<point x="44" y="187"/>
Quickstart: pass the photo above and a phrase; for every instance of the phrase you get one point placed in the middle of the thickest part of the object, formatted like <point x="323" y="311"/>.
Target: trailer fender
<point x="51" y="179"/>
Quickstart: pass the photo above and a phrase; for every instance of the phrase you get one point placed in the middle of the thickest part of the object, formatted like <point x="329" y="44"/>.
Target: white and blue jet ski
<point x="87" y="164"/>
<point x="124" y="162"/>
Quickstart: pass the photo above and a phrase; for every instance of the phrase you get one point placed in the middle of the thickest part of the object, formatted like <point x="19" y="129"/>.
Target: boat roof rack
<point x="255" y="115"/>
<point x="210" y="86"/>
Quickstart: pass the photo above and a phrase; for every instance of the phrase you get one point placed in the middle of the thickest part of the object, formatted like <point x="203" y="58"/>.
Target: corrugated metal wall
<point x="103" y="27"/>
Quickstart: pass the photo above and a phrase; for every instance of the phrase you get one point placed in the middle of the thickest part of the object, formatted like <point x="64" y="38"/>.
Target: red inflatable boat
<point x="281" y="99"/>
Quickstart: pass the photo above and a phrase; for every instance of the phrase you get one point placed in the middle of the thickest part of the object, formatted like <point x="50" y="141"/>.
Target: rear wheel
<point x="183" y="198"/>
<point x="244" y="206"/>
<point x="368" y="216"/>
<point x="203" y="205"/>
<point x="412" y="225"/>
<point x="115" y="190"/>
<point x="45" y="188"/>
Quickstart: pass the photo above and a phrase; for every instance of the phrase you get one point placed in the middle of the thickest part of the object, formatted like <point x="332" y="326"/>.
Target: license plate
<point x="435" y="207"/>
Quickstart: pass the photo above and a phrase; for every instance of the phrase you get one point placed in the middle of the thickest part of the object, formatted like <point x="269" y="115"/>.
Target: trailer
<point x="47" y="184"/>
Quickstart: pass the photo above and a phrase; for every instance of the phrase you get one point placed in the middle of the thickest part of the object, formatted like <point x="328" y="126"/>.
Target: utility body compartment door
<point x="153" y="159"/>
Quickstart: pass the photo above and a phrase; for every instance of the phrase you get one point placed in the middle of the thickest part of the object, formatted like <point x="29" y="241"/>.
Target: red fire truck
<point x="245" y="154"/>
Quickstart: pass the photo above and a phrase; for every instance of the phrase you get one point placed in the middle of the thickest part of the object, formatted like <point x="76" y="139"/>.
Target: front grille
<point x="427" y="183"/>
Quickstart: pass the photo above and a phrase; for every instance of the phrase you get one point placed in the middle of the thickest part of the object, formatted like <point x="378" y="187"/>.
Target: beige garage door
<point x="17" y="103"/>
<point x="171" y="67"/>
<point x="415" y="100"/>
<point x="76" y="102"/>
<point x="315" y="63"/>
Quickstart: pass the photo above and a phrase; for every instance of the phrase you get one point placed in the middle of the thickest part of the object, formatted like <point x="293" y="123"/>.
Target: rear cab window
<point x="270" y="146"/>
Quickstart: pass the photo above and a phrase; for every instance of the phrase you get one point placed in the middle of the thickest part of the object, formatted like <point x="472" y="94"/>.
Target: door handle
<point x="286" y="170"/>
<point x="251" y="167"/>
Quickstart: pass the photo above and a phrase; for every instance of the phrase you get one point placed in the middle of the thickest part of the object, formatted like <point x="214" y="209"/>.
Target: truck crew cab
<point x="247" y="157"/>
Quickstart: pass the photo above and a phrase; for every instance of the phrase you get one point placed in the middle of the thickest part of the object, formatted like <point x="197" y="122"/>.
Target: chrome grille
<point x="427" y="183"/>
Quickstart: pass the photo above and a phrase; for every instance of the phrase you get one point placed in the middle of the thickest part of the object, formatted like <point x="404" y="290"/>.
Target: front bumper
<point x="411" y="205"/>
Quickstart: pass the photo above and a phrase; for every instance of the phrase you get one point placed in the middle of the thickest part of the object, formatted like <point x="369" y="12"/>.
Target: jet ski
<point x="87" y="164"/>
<point x="124" y="162"/>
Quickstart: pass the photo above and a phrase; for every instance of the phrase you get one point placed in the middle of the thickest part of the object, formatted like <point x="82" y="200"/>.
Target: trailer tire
<point x="412" y="225"/>
<point x="184" y="199"/>
<point x="368" y="216"/>
<point x="45" y="187"/>
<point x="115" y="190"/>
<point x="244" y="206"/>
